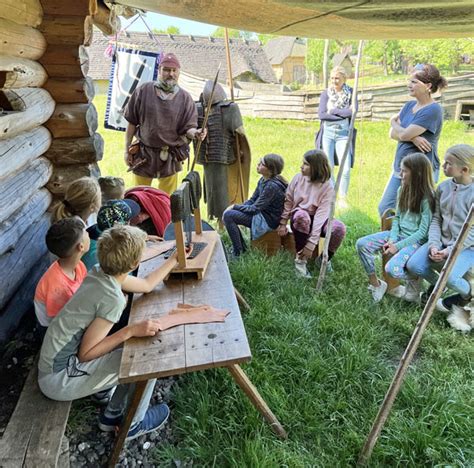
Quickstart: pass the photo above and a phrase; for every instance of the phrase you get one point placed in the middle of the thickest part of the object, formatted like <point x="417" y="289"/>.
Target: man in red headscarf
<point x="163" y="117"/>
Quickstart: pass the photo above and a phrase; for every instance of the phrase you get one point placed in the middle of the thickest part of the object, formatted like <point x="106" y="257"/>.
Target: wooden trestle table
<point x="188" y="348"/>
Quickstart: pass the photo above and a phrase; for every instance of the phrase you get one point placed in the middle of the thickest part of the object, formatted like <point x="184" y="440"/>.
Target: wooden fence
<point x="375" y="103"/>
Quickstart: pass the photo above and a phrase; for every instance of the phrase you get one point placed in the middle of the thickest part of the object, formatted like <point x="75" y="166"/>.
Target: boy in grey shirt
<point x="78" y="358"/>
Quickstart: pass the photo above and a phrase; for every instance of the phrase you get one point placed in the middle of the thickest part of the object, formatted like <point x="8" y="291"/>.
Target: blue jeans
<point x="232" y="219"/>
<point x="389" y="197"/>
<point x="421" y="265"/>
<point x="334" y="141"/>
<point x="372" y="244"/>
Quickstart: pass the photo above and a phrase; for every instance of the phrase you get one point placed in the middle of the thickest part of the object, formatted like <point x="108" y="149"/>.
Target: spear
<point x="206" y="116"/>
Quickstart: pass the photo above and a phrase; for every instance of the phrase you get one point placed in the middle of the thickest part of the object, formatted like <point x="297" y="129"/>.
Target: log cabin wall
<point x="47" y="135"/>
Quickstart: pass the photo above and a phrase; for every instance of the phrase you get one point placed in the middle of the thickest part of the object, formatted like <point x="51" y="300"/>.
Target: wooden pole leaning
<point x="324" y="263"/>
<point x="413" y="344"/>
<point x="230" y="82"/>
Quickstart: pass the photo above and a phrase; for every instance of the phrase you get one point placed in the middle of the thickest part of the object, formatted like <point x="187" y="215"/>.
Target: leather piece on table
<point x="193" y="314"/>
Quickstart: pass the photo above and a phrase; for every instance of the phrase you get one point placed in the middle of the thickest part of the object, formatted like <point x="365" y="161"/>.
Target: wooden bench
<point x="386" y="225"/>
<point x="34" y="436"/>
<point x="465" y="111"/>
<point x="271" y="243"/>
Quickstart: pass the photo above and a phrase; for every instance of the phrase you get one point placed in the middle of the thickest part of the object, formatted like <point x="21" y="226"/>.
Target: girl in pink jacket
<point x="307" y="205"/>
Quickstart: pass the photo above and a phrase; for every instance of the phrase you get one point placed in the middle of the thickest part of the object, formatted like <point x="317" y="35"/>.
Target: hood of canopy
<point x="338" y="19"/>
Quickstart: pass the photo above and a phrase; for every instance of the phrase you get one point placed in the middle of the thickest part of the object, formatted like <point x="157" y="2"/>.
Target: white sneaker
<point x="459" y="319"/>
<point x="399" y="291"/>
<point x="378" y="291"/>
<point x="413" y="290"/>
<point x="301" y="268"/>
<point x="342" y="204"/>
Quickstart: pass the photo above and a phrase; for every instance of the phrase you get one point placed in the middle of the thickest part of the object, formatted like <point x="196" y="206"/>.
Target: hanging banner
<point x="130" y="69"/>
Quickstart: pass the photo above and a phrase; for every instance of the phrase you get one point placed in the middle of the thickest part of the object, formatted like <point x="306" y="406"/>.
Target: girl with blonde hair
<point x="454" y="199"/>
<point x="82" y="198"/>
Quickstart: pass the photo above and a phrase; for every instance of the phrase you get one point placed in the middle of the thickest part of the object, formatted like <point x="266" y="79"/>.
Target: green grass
<point x="324" y="361"/>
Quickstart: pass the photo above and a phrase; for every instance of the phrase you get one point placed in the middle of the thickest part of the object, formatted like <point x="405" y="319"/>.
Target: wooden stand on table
<point x="197" y="265"/>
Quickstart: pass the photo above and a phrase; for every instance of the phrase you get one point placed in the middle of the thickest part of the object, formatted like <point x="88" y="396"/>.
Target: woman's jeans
<point x="421" y="265"/>
<point x="389" y="197"/>
<point x="335" y="135"/>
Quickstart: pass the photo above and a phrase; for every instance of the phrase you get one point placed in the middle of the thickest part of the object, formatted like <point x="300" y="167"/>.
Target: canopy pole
<point x="230" y="83"/>
<point x="414" y="342"/>
<point x="324" y="263"/>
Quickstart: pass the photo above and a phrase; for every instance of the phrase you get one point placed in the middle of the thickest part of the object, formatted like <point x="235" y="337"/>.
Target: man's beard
<point x="168" y="86"/>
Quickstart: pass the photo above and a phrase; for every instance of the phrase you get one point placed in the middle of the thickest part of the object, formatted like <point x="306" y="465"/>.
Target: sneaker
<point x="413" y="290"/>
<point x="109" y="423"/>
<point x="301" y="268"/>
<point x="398" y="292"/>
<point x="102" y="398"/>
<point x="154" y="419"/>
<point x="318" y="262"/>
<point x="378" y="291"/>
<point x="446" y="304"/>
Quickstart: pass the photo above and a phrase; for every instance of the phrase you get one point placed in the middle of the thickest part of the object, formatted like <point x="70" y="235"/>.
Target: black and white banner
<point x="130" y="69"/>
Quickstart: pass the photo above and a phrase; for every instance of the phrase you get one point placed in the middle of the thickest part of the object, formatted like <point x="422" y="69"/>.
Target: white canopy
<point x="338" y="19"/>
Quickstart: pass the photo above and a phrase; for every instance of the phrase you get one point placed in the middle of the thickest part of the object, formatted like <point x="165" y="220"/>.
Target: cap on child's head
<point x="64" y="235"/>
<point x="117" y="212"/>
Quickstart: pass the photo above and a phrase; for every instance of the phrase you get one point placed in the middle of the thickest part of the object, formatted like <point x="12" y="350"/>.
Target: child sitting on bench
<point x="78" y="358"/>
<point x="68" y="240"/>
<point x="307" y="205"/>
<point x="262" y="212"/>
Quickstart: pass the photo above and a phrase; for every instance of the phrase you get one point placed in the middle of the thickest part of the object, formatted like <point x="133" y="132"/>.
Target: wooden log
<point x="70" y="151"/>
<point x="22" y="300"/>
<point x="73" y="121"/>
<point x="66" y="61"/>
<point x="16" y="264"/>
<point x="31" y="107"/>
<point x="65" y="8"/>
<point x="17" y="151"/>
<point x="63" y="30"/>
<point x="68" y="91"/>
<point x="21" y="41"/>
<point x="105" y="20"/>
<point x="25" y="12"/>
<point x="64" y="175"/>
<point x="14" y="227"/>
<point x="18" y="72"/>
<point x="15" y="191"/>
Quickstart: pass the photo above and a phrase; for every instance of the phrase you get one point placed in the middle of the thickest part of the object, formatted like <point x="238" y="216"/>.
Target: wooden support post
<point x="414" y="342"/>
<point x="197" y="221"/>
<point x="180" y="247"/>
<point x="241" y="300"/>
<point x="230" y="82"/>
<point x="325" y="258"/>
<point x="252" y="393"/>
<point x="127" y="422"/>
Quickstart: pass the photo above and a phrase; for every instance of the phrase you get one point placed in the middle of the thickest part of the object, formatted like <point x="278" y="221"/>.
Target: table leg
<point x="249" y="389"/>
<point x="127" y="422"/>
<point x="241" y="300"/>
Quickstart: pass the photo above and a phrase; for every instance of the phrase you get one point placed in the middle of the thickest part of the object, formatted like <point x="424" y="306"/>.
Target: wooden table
<point x="188" y="348"/>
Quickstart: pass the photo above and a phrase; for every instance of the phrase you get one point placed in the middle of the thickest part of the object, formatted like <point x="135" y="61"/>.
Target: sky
<point x="155" y="20"/>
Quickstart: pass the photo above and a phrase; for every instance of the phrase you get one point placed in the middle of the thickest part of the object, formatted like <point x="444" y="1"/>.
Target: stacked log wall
<point x="47" y="136"/>
<point x="24" y="172"/>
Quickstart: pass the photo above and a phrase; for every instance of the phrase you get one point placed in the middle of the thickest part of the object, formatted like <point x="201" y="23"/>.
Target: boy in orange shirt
<point x="68" y="240"/>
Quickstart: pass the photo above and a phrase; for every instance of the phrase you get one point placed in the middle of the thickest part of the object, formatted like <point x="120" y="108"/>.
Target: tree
<point x="315" y="54"/>
<point x="168" y="30"/>
<point x="264" y="38"/>
<point x="233" y="33"/>
<point x="388" y="53"/>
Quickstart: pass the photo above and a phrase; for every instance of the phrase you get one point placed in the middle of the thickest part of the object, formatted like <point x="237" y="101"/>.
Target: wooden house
<point x="343" y="60"/>
<point x="287" y="56"/>
<point x="199" y="56"/>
